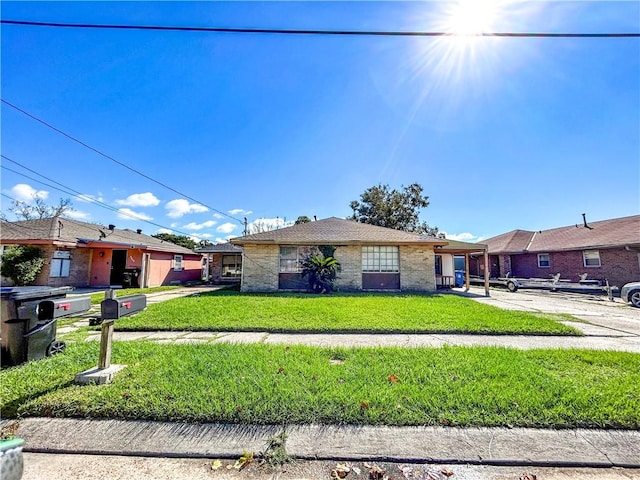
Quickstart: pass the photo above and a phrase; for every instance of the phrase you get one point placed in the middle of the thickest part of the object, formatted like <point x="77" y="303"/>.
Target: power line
<point x="278" y="31"/>
<point x="48" y="125"/>
<point x="70" y="191"/>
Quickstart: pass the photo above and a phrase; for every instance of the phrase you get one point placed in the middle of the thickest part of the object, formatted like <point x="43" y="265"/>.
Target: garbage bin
<point x="459" y="278"/>
<point x="29" y="321"/>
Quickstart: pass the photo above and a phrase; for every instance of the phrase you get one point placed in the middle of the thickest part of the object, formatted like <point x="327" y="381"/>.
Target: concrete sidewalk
<point x="450" y="445"/>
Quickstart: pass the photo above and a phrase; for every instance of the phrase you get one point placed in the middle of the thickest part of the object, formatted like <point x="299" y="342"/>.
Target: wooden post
<point x="467" y="272"/>
<point x="486" y="273"/>
<point x="106" y="337"/>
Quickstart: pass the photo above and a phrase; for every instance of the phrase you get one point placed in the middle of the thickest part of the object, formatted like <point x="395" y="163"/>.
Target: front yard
<point x="265" y="384"/>
<point x="393" y="313"/>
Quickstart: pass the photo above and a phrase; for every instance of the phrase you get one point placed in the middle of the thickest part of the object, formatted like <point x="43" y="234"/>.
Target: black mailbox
<point x="63" y="307"/>
<point x="114" y="308"/>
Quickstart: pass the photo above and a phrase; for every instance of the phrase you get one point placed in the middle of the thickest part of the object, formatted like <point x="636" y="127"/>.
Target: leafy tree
<point x="321" y="272"/>
<point x="181" y="240"/>
<point x="302" y="219"/>
<point x="39" y="209"/>
<point x="205" y="243"/>
<point x="393" y="209"/>
<point x="22" y="263"/>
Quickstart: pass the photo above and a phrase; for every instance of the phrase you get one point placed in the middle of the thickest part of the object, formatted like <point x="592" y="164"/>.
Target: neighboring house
<point x="83" y="254"/>
<point x="223" y="263"/>
<point x="604" y="250"/>
<point x="371" y="257"/>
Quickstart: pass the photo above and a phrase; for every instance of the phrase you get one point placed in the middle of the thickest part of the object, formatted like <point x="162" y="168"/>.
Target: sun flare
<point x="468" y="18"/>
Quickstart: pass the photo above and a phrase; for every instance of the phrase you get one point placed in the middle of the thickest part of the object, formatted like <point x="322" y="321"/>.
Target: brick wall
<point x="617" y="265"/>
<point x="350" y="275"/>
<point x="417" y="269"/>
<point x="78" y="269"/>
<point x="260" y="265"/>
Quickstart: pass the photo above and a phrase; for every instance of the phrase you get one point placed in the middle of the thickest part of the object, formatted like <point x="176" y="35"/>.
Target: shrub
<point x="321" y="271"/>
<point x="22" y="263"/>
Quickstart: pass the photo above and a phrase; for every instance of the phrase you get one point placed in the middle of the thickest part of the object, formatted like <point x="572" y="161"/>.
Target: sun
<point x="470" y="17"/>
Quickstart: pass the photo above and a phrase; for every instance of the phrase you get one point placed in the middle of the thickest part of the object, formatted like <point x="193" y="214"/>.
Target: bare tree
<point x="39" y="209"/>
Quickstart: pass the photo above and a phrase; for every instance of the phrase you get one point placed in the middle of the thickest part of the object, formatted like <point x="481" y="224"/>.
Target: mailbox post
<point x="111" y="309"/>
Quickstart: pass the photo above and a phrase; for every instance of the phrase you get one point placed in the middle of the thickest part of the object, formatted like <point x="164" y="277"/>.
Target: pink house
<point x="83" y="254"/>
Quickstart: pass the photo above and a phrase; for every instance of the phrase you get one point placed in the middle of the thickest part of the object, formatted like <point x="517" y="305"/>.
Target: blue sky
<point x="502" y="133"/>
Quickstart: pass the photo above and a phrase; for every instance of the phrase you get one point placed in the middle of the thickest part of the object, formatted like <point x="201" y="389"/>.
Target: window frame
<point x="548" y="260"/>
<point x="60" y="265"/>
<point x="380" y="259"/>
<point x="595" y="254"/>
<point x="178" y="260"/>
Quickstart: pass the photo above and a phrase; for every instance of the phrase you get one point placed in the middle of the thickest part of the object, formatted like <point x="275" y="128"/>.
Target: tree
<point x="393" y="209"/>
<point x="22" y="263"/>
<point x="205" y="243"/>
<point x="39" y="209"/>
<point x="321" y="272"/>
<point x="181" y="240"/>
<point x="302" y="219"/>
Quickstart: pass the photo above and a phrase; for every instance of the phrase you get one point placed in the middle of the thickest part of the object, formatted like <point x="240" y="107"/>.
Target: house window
<point x="177" y="263"/>
<point x="232" y="266"/>
<point x="543" y="260"/>
<point x="382" y="259"/>
<point x="591" y="258"/>
<point x="290" y="257"/>
<point x="438" y="264"/>
<point x="60" y="264"/>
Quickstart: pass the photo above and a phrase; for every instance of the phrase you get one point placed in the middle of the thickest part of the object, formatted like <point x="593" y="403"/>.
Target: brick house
<point x="371" y="257"/>
<point x="83" y="254"/>
<point x="223" y="263"/>
<point x="604" y="250"/>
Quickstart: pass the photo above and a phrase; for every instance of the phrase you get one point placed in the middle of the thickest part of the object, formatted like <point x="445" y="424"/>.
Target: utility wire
<point x="278" y="31"/>
<point x="70" y="191"/>
<point x="116" y="161"/>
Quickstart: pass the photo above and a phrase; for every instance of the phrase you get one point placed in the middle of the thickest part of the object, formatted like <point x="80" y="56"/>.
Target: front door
<point x="118" y="264"/>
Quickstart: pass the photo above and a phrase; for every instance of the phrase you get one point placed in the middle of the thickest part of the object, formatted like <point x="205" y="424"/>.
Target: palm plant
<point x="321" y="272"/>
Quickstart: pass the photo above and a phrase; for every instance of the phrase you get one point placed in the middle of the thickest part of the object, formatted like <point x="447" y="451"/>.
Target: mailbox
<point x="56" y="308"/>
<point x="114" y="308"/>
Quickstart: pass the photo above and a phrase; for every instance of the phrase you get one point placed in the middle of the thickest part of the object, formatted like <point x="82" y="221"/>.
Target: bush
<point x="22" y="263"/>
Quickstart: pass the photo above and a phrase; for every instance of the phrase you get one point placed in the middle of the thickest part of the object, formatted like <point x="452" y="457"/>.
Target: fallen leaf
<point x="216" y="465"/>
<point x="281" y="369"/>
<point x="364" y="405"/>
<point x="527" y="476"/>
<point x="392" y="378"/>
<point x="446" y="472"/>
<point x="376" y="473"/>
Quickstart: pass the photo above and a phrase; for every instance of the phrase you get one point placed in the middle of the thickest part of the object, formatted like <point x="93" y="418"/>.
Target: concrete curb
<point x="444" y="445"/>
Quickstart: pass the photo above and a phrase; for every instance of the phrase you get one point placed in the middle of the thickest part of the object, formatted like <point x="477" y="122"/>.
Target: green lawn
<point x="265" y="384"/>
<point x="97" y="297"/>
<point x="234" y="311"/>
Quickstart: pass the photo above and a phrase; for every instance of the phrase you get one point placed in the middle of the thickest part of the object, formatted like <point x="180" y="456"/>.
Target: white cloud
<point x="26" y="193"/>
<point x="462" y="237"/>
<point x="77" y="215"/>
<point x="205" y="235"/>
<point x="146" y="199"/>
<point x="199" y="226"/>
<point x="225" y="239"/>
<point x="218" y="216"/>
<point x="226" y="227"/>
<point x="128" y="214"/>
<point x="180" y="207"/>
<point x="238" y="211"/>
<point x="164" y="230"/>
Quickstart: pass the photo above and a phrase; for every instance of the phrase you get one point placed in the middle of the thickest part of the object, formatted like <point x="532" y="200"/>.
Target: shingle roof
<point x="65" y="230"/>
<point x="336" y="231"/>
<point x="220" y="248"/>
<point x="606" y="233"/>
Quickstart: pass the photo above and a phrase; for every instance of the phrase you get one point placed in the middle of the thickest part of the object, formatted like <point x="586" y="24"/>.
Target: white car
<point x="630" y="292"/>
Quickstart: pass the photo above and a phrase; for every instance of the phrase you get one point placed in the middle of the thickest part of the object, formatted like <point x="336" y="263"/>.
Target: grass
<point x="233" y="311"/>
<point x="97" y="297"/>
<point x="266" y="384"/>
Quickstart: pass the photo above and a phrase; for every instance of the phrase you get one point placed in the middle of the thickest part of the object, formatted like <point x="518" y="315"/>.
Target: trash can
<point x="29" y="321"/>
<point x="459" y="278"/>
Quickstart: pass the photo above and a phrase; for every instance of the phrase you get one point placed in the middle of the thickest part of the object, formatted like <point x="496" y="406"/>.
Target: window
<point x="591" y="258"/>
<point x="290" y="257"/>
<point x="383" y="259"/>
<point x="177" y="262"/>
<point x="232" y="266"/>
<point x="60" y="263"/>
<point x="438" y="264"/>
<point x="543" y="260"/>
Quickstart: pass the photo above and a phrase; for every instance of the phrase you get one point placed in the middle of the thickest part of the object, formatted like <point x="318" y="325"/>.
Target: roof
<point x="220" y="248"/>
<point x="456" y="246"/>
<point x="61" y="231"/>
<point x="617" y="232"/>
<point x="337" y="231"/>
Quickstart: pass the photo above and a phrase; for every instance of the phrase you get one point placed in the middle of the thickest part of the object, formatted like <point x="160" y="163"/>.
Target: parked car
<point x="630" y="292"/>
